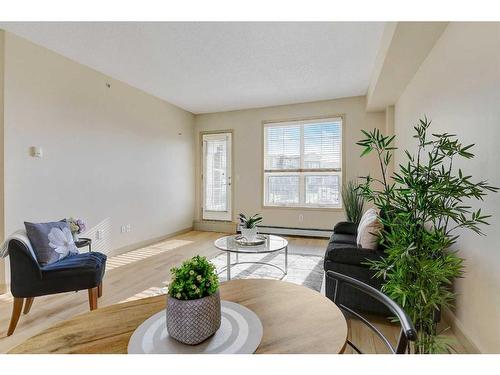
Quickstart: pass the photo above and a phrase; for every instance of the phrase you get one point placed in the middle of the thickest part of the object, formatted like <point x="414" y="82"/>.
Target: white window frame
<point x="302" y="172"/>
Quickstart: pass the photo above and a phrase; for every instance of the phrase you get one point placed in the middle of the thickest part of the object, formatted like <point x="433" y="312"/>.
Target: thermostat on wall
<point x="36" y="152"/>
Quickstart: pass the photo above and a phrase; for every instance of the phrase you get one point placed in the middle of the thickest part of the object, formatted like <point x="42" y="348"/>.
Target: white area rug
<point x="303" y="269"/>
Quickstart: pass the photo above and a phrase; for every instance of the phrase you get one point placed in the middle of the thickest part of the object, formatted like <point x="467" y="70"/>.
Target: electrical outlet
<point x="98" y="234"/>
<point x="123" y="229"/>
<point x="301" y="218"/>
<point x="128" y="228"/>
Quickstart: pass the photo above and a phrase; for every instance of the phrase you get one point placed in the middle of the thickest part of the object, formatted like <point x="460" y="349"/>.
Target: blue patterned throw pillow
<point x="51" y="241"/>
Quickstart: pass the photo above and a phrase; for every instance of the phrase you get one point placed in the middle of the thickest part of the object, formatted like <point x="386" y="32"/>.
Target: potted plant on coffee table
<point x="193" y="304"/>
<point x="248" y="226"/>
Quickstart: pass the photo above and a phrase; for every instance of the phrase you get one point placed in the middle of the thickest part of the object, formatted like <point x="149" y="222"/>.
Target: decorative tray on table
<point x="240" y="332"/>
<point x="261" y="239"/>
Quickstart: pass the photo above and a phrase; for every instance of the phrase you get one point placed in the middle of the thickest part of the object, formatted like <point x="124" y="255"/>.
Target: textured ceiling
<point x="218" y="66"/>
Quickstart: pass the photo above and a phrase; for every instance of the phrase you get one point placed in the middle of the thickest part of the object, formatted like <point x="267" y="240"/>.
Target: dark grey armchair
<point x="30" y="280"/>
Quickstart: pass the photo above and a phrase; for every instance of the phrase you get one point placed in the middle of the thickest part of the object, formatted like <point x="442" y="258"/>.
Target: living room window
<point x="303" y="163"/>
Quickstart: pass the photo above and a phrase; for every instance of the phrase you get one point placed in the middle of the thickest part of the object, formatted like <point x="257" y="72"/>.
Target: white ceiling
<point x="217" y="66"/>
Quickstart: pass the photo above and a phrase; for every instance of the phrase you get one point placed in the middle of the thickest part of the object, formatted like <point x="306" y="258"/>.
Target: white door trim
<point x="226" y="213"/>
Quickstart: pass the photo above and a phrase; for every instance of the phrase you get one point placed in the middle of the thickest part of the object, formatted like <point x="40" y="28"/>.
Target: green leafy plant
<point x="250" y="222"/>
<point x="353" y="201"/>
<point x="422" y="206"/>
<point x="195" y="278"/>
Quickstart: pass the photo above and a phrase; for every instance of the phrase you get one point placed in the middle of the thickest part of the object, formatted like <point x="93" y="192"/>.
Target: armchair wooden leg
<point x="99" y="290"/>
<point x="16" y="313"/>
<point x="93" y="298"/>
<point x="27" y="306"/>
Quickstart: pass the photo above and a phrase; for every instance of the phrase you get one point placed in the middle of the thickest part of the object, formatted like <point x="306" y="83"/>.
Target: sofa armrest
<point x="356" y="256"/>
<point x="345" y="227"/>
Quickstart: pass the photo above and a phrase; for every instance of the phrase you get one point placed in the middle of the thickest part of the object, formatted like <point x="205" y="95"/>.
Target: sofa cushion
<point x="368" y="232"/>
<point x="368" y="213"/>
<point x="343" y="238"/>
<point x="342" y="253"/>
<point x="346" y="227"/>
<point x="80" y="264"/>
<point x="51" y="241"/>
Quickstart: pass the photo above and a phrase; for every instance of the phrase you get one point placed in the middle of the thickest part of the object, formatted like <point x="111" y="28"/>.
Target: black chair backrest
<point x="407" y="333"/>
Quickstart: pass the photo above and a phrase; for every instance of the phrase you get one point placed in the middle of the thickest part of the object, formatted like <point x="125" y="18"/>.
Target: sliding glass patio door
<point x="216" y="176"/>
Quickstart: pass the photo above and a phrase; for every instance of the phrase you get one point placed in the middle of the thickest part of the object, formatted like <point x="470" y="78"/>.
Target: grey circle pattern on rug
<point x="240" y="333"/>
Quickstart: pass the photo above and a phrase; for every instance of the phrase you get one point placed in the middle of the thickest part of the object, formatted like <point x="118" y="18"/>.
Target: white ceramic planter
<point x="250" y="234"/>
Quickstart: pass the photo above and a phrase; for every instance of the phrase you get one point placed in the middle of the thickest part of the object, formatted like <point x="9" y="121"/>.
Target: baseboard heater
<point x="295" y="231"/>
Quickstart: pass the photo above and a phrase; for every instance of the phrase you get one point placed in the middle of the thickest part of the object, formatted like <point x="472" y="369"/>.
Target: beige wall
<point x="113" y="156"/>
<point x="403" y="48"/>
<point x="248" y="149"/>
<point x="458" y="87"/>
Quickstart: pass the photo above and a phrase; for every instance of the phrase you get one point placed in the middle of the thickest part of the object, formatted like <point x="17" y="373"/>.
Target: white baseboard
<point x="304" y="232"/>
<point x="215" y="226"/>
<point x="457" y="328"/>
<point x="232" y="227"/>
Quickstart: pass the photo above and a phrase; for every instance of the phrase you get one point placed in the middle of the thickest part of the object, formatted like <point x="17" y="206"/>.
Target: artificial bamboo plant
<point x="424" y="204"/>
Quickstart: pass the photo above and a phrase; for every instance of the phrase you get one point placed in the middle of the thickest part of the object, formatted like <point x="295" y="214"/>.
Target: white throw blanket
<point x="21" y="236"/>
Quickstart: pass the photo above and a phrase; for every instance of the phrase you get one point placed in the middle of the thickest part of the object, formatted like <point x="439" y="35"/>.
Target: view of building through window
<point x="303" y="163"/>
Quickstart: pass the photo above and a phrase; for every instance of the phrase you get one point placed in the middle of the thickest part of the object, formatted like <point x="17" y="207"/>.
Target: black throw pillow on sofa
<point x="51" y="241"/>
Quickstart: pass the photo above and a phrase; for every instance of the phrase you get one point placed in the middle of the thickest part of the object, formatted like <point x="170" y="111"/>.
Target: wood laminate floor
<point x="140" y="273"/>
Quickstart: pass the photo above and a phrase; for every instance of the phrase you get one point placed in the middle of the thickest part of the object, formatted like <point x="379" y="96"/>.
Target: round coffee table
<point x="295" y="319"/>
<point x="272" y="244"/>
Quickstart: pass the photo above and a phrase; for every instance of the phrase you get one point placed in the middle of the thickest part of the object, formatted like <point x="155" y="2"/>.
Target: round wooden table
<point x="295" y="320"/>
